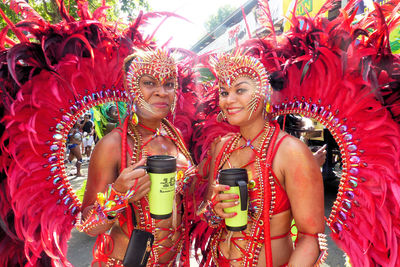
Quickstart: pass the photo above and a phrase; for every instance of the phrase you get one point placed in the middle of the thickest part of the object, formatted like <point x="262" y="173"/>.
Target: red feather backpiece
<point x="46" y="85"/>
<point x="339" y="72"/>
<point x="340" y="76"/>
<point x="343" y="74"/>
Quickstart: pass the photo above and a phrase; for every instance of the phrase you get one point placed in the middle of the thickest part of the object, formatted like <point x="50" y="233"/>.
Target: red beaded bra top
<point x="145" y="222"/>
<point x="267" y="194"/>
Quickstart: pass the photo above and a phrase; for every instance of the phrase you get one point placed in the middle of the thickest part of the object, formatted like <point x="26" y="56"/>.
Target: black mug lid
<point x="161" y="164"/>
<point x="230" y="176"/>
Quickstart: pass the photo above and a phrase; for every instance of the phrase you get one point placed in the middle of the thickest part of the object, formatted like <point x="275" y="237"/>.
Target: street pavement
<point x="80" y="245"/>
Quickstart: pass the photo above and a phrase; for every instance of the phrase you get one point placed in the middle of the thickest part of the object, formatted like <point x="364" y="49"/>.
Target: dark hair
<point x="128" y="62"/>
<point x="277" y="80"/>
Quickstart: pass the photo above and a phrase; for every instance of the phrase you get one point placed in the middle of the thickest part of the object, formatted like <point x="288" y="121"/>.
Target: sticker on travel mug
<point x="237" y="180"/>
<point x="162" y="172"/>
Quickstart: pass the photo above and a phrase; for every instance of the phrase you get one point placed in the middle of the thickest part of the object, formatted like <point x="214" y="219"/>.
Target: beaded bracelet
<point x="323" y="248"/>
<point x="322" y="244"/>
<point x="112" y="202"/>
<point x="93" y="221"/>
<point x="106" y="208"/>
<point x="207" y="213"/>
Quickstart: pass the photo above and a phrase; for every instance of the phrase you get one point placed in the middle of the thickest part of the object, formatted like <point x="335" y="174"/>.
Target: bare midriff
<point x="281" y="247"/>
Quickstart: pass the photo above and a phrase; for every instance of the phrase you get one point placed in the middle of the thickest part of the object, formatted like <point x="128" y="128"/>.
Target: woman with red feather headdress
<point x="346" y="78"/>
<point x="285" y="182"/>
<point x="50" y="79"/>
<point x="151" y="82"/>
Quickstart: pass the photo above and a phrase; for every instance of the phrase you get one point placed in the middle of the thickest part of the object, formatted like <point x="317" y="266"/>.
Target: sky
<point x="185" y="34"/>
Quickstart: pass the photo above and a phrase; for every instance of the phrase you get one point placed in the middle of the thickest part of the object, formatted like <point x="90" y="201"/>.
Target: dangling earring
<point x="172" y="109"/>
<point x="221" y="116"/>
<point x="264" y="111"/>
<point x="268" y="108"/>
<point x="134" y="117"/>
<point x="173" y="106"/>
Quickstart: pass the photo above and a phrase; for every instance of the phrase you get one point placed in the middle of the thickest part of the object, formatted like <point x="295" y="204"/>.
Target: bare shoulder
<point x="109" y="143"/>
<point x="293" y="153"/>
<point x="291" y="146"/>
<point x="103" y="166"/>
<point x="108" y="149"/>
<point x="295" y="160"/>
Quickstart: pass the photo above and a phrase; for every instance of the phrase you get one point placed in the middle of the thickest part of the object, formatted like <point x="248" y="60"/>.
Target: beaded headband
<point x="230" y="67"/>
<point x="157" y="63"/>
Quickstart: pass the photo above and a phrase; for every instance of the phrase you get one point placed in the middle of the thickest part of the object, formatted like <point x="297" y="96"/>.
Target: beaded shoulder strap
<point x="223" y="156"/>
<point x="266" y="153"/>
<point x="124" y="138"/>
<point x="181" y="144"/>
<point x="134" y="153"/>
<point x="268" y="145"/>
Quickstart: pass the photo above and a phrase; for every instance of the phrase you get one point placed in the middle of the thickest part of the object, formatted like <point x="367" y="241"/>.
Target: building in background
<point x="242" y="24"/>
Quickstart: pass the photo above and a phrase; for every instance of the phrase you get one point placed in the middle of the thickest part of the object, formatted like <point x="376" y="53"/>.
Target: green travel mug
<point x="162" y="172"/>
<point x="237" y="180"/>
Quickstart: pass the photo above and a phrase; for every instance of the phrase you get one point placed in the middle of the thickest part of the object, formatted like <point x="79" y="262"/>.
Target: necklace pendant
<point x="248" y="143"/>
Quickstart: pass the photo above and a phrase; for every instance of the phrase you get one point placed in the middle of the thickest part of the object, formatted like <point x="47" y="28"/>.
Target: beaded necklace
<point x="168" y="131"/>
<point x="165" y="130"/>
<point x="248" y="143"/>
<point x="156" y="133"/>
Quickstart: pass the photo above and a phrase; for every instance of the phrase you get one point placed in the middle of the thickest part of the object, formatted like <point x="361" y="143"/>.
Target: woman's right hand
<point x="219" y="198"/>
<point x="131" y="176"/>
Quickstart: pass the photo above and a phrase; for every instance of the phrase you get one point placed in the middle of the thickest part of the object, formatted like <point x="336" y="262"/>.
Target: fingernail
<point x="236" y="197"/>
<point x="235" y="213"/>
<point x="236" y="202"/>
<point x="227" y="187"/>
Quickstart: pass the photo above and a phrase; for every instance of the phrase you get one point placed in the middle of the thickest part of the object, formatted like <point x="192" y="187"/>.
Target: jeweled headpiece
<point x="229" y="67"/>
<point x="157" y="63"/>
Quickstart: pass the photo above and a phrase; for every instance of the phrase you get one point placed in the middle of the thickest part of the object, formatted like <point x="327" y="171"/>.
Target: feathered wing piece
<point x="343" y="74"/>
<point x="336" y="72"/>
<point x="46" y="85"/>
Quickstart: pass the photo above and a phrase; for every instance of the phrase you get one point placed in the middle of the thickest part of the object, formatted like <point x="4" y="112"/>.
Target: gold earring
<point x="221" y="116"/>
<point x="134" y="117"/>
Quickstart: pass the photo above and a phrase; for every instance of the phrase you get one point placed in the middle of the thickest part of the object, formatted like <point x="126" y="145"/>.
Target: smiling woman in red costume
<point x="285" y="182"/>
<point x="151" y="82"/>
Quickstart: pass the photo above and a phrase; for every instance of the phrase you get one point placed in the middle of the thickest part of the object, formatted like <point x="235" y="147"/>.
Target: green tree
<point x="132" y="7"/>
<point x="216" y="19"/>
<point x="48" y="9"/>
<point x="9" y="13"/>
<point x="395" y="41"/>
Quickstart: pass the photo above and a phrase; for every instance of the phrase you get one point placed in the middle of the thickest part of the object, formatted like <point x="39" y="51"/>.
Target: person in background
<point x="87" y="129"/>
<point x="294" y="124"/>
<point x="73" y="146"/>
